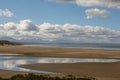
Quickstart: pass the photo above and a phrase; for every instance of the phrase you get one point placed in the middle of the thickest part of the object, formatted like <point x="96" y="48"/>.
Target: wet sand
<point x="60" y="52"/>
<point x="7" y="73"/>
<point x="103" y="71"/>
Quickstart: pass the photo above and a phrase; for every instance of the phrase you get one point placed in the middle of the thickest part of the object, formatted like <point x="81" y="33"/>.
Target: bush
<point x="32" y="76"/>
<point x="18" y="77"/>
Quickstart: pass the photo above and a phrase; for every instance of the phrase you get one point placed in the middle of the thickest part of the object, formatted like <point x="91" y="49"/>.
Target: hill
<point x="5" y="42"/>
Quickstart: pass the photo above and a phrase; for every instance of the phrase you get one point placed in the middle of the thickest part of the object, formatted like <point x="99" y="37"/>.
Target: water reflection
<point x="12" y="62"/>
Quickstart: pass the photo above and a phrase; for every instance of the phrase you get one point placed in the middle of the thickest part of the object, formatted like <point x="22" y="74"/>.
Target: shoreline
<point x="8" y="73"/>
<point x="100" y="71"/>
<point x="75" y="68"/>
<point x="96" y="70"/>
<point x="94" y="48"/>
<point x="110" y="70"/>
<point x="60" y="52"/>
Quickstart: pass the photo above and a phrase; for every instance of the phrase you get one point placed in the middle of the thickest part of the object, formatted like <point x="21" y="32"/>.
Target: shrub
<point x="32" y="76"/>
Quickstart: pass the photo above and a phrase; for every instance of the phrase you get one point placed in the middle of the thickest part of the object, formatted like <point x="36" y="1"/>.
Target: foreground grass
<point x="32" y="76"/>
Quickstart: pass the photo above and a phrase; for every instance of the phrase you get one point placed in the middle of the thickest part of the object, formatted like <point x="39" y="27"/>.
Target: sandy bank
<point x="101" y="71"/>
<point x="7" y="73"/>
<point x="60" y="52"/>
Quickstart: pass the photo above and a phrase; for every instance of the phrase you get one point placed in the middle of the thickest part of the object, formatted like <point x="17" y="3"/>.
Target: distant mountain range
<point x="7" y="38"/>
<point x="34" y="40"/>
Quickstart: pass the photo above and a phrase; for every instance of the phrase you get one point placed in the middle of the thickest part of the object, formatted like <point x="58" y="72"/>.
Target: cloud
<point x="93" y="3"/>
<point x="27" y="25"/>
<point x="24" y="25"/>
<point x="10" y="26"/>
<point x="95" y="12"/>
<point x="6" y="13"/>
<point x="26" y="30"/>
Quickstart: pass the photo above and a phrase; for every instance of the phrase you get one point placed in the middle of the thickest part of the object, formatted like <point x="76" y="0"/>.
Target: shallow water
<point x="12" y="62"/>
<point x="8" y="54"/>
<point x="108" y="46"/>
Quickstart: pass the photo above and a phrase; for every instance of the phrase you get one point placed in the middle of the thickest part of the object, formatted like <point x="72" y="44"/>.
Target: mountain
<point x="8" y="38"/>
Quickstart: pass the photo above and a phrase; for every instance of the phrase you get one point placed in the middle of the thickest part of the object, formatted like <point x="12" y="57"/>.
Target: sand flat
<point x="7" y="73"/>
<point x="60" y="52"/>
<point x="101" y="71"/>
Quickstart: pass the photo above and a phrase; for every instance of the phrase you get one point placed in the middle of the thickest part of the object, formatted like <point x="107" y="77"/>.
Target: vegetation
<point x="32" y="76"/>
<point x="5" y="42"/>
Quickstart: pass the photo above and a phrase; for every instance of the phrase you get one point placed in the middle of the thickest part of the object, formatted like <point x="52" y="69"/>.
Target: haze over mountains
<point x="35" y="40"/>
<point x="14" y="40"/>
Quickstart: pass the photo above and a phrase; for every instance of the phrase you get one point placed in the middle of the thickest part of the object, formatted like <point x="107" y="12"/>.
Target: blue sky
<point x="40" y="11"/>
<point x="62" y="12"/>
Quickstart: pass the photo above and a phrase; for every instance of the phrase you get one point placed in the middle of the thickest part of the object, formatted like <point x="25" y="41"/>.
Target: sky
<point x="60" y="20"/>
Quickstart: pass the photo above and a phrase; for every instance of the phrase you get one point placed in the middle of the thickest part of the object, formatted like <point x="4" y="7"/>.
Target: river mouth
<point x="12" y="62"/>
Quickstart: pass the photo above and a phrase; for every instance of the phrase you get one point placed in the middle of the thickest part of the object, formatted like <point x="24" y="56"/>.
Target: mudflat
<point x="60" y="52"/>
<point x="101" y="71"/>
<point x="7" y="73"/>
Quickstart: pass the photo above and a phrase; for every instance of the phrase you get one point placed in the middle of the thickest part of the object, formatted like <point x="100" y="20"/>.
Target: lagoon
<point x="12" y="62"/>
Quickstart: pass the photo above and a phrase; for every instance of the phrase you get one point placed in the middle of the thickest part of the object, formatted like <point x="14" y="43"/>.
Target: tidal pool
<point x="12" y="62"/>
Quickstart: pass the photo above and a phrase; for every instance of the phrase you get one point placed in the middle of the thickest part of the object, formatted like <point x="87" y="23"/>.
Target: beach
<point x="101" y="71"/>
<point x="60" y="52"/>
<point x="8" y="74"/>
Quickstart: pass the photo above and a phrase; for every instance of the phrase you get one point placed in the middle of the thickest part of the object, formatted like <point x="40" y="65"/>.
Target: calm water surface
<point x="110" y="46"/>
<point x="10" y="62"/>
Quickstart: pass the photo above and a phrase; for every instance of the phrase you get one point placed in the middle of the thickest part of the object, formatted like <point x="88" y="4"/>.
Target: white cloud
<point x="95" y="12"/>
<point x="27" y="25"/>
<point x="24" y="25"/>
<point x="6" y="13"/>
<point x="26" y="30"/>
<point x="10" y="26"/>
<point x="93" y="3"/>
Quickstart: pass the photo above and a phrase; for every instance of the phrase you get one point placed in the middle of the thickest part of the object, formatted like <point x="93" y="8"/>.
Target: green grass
<point x="32" y="76"/>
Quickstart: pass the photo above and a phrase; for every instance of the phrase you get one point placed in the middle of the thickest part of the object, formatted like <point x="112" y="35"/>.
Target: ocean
<point x="110" y="46"/>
